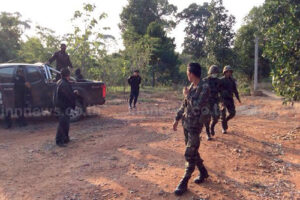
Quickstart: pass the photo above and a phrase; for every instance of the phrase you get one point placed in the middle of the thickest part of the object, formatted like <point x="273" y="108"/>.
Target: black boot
<point x="224" y="127"/>
<point x="203" y="175"/>
<point x="208" y="137"/>
<point x="182" y="187"/>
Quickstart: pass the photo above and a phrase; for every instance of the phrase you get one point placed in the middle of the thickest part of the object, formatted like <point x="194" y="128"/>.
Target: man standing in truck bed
<point x="62" y="59"/>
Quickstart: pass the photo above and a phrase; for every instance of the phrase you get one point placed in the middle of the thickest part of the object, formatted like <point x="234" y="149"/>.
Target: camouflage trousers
<point x="192" y="156"/>
<point x="227" y="105"/>
<point x="215" y="115"/>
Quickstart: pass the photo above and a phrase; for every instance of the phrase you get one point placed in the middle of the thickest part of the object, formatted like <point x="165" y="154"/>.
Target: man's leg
<point x="131" y="99"/>
<point x="215" y="117"/>
<point x="136" y="96"/>
<point x="61" y="129"/>
<point x="223" y="118"/>
<point x="21" y="119"/>
<point x="67" y="121"/>
<point x="231" y="110"/>
<point x="7" y="120"/>
<point x="193" y="143"/>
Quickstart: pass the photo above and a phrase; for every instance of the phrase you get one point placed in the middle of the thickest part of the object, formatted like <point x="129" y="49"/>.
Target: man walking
<point x="65" y="101"/>
<point x="214" y="99"/>
<point x="194" y="112"/>
<point x="134" y="81"/>
<point x="228" y="88"/>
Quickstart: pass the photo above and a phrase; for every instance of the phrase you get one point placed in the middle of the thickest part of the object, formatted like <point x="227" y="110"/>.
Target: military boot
<point x="224" y="127"/>
<point x="182" y="187"/>
<point x="203" y="175"/>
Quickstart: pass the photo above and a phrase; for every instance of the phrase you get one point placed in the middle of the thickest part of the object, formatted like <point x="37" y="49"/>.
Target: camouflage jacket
<point x="228" y="88"/>
<point x="214" y="87"/>
<point x="194" y="109"/>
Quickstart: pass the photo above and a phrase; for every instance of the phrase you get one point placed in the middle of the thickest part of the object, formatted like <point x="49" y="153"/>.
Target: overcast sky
<point x="56" y="14"/>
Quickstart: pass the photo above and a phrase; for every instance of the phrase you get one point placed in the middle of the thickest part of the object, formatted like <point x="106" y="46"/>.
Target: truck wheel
<point x="77" y="113"/>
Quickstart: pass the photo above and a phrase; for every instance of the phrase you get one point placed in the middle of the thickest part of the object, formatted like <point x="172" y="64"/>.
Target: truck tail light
<point x="104" y="91"/>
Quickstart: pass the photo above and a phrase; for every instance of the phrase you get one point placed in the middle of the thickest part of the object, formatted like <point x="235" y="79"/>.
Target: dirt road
<point x="119" y="154"/>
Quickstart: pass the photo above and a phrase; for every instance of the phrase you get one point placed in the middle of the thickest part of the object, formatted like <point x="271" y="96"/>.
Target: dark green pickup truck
<point x="43" y="87"/>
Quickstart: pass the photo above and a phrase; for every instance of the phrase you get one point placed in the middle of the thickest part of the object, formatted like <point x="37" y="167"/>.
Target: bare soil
<point x="121" y="154"/>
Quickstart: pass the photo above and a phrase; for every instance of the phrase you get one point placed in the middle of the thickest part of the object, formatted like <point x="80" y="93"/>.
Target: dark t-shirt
<point x="134" y="82"/>
<point x="62" y="60"/>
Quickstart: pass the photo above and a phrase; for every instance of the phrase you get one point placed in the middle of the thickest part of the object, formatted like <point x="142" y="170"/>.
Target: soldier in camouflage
<point x="214" y="99"/>
<point x="194" y="112"/>
<point x="228" y="88"/>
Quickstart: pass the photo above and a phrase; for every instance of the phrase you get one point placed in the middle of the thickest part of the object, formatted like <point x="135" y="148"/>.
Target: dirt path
<point x="135" y="155"/>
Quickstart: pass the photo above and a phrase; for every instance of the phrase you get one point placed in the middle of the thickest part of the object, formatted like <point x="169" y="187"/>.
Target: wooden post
<point x="256" y="65"/>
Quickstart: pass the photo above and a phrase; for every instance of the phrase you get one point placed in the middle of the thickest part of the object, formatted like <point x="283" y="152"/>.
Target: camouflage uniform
<point x="214" y="100"/>
<point x="194" y="112"/>
<point x="228" y="88"/>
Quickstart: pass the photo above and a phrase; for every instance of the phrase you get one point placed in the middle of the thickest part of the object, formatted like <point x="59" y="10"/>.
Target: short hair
<point x="65" y="72"/>
<point x="195" y="68"/>
<point x="137" y="71"/>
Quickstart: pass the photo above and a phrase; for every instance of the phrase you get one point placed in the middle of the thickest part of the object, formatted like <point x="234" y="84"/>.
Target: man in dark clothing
<point x="194" y="112"/>
<point x="228" y="88"/>
<point x="134" y="81"/>
<point x="65" y="101"/>
<point x="62" y="59"/>
<point x="78" y="75"/>
<point x="20" y="89"/>
<point x="214" y="99"/>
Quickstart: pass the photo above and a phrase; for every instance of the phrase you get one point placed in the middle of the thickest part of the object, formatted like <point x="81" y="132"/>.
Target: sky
<point x="56" y="14"/>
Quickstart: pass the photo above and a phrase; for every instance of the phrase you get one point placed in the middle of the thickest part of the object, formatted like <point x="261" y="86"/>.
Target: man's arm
<point x="180" y="111"/>
<point x="129" y="80"/>
<point x="53" y="58"/>
<point x="236" y="92"/>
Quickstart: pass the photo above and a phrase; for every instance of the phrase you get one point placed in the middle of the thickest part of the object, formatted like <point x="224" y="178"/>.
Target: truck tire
<point x="77" y="113"/>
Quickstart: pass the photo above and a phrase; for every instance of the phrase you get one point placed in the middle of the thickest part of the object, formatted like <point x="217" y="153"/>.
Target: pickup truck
<point x="40" y="96"/>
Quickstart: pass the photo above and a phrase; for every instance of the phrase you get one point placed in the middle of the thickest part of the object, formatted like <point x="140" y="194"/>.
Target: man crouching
<point x="194" y="112"/>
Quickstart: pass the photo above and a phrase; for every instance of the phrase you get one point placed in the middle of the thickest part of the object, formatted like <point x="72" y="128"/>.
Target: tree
<point x="144" y="25"/>
<point x="209" y="33"/>
<point x="282" y="22"/>
<point x="11" y="29"/>
<point x="244" y="46"/>
<point x="32" y="51"/>
<point x="88" y="44"/>
<point x="164" y="60"/>
<point x="137" y="16"/>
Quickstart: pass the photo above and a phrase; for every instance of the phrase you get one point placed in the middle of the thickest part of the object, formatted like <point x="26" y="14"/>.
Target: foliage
<point x="244" y="46"/>
<point x="209" y="33"/>
<point x="11" y="30"/>
<point x="282" y="19"/>
<point x="147" y="47"/>
<point x="87" y="42"/>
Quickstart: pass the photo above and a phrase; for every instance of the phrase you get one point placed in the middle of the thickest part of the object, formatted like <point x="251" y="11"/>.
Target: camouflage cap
<point x="213" y="69"/>
<point x="227" y="68"/>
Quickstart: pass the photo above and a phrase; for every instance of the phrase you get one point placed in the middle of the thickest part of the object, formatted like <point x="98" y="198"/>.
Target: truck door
<point x="7" y="94"/>
<point x="38" y="87"/>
